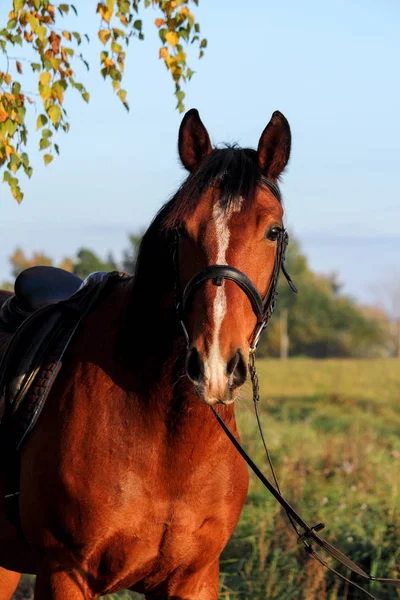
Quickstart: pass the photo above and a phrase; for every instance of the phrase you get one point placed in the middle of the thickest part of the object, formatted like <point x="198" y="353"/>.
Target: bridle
<point x="263" y="307"/>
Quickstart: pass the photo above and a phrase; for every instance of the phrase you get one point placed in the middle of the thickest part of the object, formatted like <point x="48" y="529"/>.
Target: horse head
<point x="227" y="219"/>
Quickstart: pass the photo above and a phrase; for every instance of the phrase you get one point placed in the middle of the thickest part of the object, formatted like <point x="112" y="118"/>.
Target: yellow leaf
<point x="7" y="78"/>
<point x="67" y="35"/>
<point x="104" y="35"/>
<point x="172" y="38"/>
<point x="163" y="52"/>
<point x="159" y="22"/>
<point x="45" y="92"/>
<point x="3" y="115"/>
<point x="45" y="78"/>
<point x="105" y="12"/>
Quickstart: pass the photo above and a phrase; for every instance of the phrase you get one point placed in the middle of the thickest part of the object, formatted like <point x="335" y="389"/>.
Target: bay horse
<point x="127" y="480"/>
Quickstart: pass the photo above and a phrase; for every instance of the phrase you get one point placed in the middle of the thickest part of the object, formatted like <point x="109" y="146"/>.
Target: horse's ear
<point x="194" y="142"/>
<point x="274" y="146"/>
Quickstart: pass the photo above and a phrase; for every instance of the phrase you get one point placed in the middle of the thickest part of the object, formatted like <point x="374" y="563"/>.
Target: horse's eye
<point x="273" y="233"/>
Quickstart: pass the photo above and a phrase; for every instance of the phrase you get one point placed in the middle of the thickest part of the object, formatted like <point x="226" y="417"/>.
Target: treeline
<point x="319" y="321"/>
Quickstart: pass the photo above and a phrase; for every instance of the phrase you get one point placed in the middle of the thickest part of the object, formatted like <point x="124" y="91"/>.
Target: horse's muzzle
<point x="216" y="381"/>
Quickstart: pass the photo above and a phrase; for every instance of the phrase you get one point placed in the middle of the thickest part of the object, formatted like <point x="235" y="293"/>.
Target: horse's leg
<point x="201" y="585"/>
<point x="61" y="581"/>
<point x="8" y="583"/>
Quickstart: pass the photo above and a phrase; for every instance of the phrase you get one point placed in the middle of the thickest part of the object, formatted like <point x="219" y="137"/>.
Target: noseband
<point x="263" y="307"/>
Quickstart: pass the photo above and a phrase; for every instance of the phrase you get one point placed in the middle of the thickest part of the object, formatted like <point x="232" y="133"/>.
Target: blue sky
<point x="330" y="67"/>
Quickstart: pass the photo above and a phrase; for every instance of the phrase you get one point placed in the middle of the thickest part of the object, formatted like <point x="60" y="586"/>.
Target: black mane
<point x="232" y="170"/>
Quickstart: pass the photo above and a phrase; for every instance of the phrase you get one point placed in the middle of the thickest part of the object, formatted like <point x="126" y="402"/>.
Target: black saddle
<point x="45" y="315"/>
<point x="37" y="287"/>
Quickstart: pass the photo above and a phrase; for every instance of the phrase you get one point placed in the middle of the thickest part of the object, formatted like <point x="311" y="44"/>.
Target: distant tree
<point x="389" y="297"/>
<point x="88" y="262"/>
<point x="55" y="52"/>
<point x="85" y="262"/>
<point x="320" y="321"/>
<point x="19" y="261"/>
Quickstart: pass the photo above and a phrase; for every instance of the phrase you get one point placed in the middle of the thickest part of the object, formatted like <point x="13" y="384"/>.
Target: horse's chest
<point x="177" y="525"/>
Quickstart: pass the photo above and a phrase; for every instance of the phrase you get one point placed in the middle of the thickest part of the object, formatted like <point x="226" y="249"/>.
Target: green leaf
<point x="43" y="144"/>
<point x="74" y="9"/>
<point x="57" y="149"/>
<point x="64" y="8"/>
<point x="25" y="159"/>
<point x="46" y="133"/>
<point x="77" y="37"/>
<point x="86" y="96"/>
<point x="47" y="159"/>
<point x="18" y="4"/>
<point x="138" y="25"/>
<point x="35" y="67"/>
<point x="6" y="177"/>
<point x="41" y="121"/>
<point x="10" y="127"/>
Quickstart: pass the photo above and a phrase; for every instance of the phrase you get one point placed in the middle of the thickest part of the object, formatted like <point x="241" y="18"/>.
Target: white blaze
<point x="215" y="366"/>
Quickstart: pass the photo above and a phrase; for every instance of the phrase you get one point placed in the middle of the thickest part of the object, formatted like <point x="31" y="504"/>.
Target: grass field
<point x="333" y="428"/>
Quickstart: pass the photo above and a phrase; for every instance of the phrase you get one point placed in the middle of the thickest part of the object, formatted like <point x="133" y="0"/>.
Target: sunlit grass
<point x="333" y="429"/>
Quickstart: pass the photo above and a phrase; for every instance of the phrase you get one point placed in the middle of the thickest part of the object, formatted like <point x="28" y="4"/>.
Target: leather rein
<point x="263" y="307"/>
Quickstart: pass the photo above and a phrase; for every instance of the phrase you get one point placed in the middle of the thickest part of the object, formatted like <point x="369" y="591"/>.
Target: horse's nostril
<point x="194" y="366"/>
<point x="237" y="369"/>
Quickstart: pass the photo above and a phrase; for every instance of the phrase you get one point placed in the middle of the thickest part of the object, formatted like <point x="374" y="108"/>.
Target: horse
<point x="127" y="480"/>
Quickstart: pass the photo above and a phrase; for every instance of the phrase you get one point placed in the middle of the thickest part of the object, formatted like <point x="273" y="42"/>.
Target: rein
<point x="263" y="308"/>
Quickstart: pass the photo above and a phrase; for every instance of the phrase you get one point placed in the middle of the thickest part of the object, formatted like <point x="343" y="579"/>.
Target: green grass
<point x="333" y="429"/>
